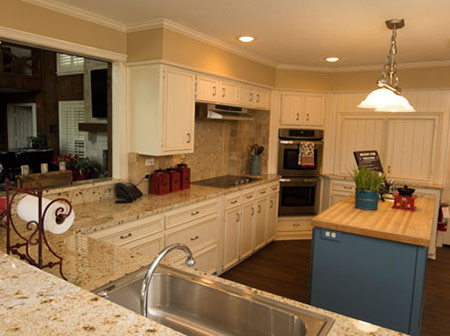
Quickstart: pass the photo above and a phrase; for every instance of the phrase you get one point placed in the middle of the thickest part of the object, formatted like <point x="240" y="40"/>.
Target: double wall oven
<point x="299" y="185"/>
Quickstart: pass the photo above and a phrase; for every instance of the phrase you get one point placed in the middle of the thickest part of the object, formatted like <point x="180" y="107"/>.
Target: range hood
<point x="222" y="112"/>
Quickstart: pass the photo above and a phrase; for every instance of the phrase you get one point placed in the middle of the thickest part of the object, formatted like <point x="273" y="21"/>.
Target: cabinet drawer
<point x="248" y="196"/>
<point x="186" y="214"/>
<point x="294" y="225"/>
<point x="262" y="192"/>
<point x="273" y="187"/>
<point x="194" y="236"/>
<point x="148" y="246"/>
<point x="343" y="186"/>
<point x="232" y="200"/>
<point x="130" y="230"/>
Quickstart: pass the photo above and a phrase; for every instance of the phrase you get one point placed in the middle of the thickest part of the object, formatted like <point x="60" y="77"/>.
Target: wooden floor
<point x="283" y="268"/>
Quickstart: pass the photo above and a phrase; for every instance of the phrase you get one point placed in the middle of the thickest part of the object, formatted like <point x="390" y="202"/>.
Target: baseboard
<point x="297" y="235"/>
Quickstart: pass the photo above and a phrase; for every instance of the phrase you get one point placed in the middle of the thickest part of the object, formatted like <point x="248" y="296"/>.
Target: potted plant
<point x="368" y="183"/>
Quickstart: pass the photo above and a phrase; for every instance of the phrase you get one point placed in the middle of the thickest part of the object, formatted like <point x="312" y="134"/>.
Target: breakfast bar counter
<point x="370" y="264"/>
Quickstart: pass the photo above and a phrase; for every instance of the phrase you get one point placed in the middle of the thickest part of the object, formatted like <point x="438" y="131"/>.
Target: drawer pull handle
<point x="259" y="209"/>
<point x="253" y="211"/>
<point x="271" y="204"/>
<point x="238" y="217"/>
<point x="274" y="188"/>
<point x="234" y="201"/>
<point x="347" y="187"/>
<point x="249" y="196"/>
<point x="296" y="224"/>
<point x="126" y="236"/>
<point x="262" y="192"/>
<point x="194" y="238"/>
<point x="196" y="212"/>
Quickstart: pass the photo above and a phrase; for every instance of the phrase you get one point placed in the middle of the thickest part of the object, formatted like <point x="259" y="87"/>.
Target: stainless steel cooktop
<point x="226" y="181"/>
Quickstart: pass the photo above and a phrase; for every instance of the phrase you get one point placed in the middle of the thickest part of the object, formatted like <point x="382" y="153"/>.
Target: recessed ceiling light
<point x="246" y="39"/>
<point x="332" y="59"/>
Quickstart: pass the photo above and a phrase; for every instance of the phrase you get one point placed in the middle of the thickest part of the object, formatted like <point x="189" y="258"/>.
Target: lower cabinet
<point x="247" y="229"/>
<point x="272" y="217"/>
<point x="205" y="259"/>
<point x="260" y="225"/>
<point x="232" y="227"/>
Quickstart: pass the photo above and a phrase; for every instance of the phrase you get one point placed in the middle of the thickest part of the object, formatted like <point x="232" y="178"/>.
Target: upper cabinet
<point x="408" y="145"/>
<point x="222" y="91"/>
<point x="302" y="109"/>
<point x="162" y="100"/>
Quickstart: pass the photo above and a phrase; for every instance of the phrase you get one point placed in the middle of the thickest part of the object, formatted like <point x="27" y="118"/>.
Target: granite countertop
<point x="404" y="226"/>
<point x="33" y="301"/>
<point x="91" y="217"/>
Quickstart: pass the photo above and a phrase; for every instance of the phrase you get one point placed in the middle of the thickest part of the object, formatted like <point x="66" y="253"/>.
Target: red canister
<point x="174" y="179"/>
<point x="159" y="182"/>
<point x="185" y="173"/>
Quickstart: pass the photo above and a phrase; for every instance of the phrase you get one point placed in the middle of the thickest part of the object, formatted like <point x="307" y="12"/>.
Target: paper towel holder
<point x="37" y="238"/>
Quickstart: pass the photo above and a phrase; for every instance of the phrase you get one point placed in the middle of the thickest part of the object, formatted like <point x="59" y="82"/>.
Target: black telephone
<point x="127" y="192"/>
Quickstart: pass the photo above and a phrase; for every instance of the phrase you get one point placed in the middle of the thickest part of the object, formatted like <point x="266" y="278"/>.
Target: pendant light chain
<point x="389" y="75"/>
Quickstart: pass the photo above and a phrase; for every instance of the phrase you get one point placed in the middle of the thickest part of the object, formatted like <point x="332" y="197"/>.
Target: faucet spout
<point x="190" y="261"/>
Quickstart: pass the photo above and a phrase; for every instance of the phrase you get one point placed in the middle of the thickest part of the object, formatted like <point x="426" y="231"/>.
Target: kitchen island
<point x="371" y="264"/>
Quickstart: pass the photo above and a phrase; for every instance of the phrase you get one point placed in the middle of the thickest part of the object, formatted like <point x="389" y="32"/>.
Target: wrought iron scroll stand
<point x="36" y="237"/>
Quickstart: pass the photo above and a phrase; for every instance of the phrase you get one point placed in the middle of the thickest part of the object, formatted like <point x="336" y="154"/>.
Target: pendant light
<point x="387" y="97"/>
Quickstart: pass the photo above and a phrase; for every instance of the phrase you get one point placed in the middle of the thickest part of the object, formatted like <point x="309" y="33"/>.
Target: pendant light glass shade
<point x="384" y="100"/>
<point x="387" y="97"/>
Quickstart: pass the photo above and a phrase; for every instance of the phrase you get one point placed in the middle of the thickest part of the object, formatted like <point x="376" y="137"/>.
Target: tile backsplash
<point x="220" y="148"/>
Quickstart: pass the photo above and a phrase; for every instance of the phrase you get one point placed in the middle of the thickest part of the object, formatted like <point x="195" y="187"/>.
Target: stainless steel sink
<point x="195" y="305"/>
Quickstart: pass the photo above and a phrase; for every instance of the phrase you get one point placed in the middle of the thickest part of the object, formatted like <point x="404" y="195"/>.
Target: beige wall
<point x="145" y="45"/>
<point x="302" y="80"/>
<point x="34" y="19"/>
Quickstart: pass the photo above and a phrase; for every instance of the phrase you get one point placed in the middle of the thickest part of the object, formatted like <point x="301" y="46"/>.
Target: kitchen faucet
<point x="148" y="276"/>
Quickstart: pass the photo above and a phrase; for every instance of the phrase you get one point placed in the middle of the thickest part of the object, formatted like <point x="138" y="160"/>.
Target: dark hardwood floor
<point x="283" y="268"/>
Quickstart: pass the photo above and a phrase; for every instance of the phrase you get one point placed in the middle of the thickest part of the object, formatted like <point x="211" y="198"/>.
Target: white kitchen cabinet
<point x="340" y="189"/>
<point x="296" y="227"/>
<point x="254" y="97"/>
<point x="162" y="100"/>
<point x="228" y="92"/>
<point x="232" y="227"/>
<point x="272" y="217"/>
<point x="247" y="229"/>
<point x="207" y="89"/>
<point x="260" y="223"/>
<point x="410" y="148"/>
<point x="302" y="109"/>
<point x="407" y="145"/>
<point x="262" y="98"/>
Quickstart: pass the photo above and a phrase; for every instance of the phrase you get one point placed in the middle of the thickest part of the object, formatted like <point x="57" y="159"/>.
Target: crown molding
<point x="176" y="27"/>
<point x="78" y="13"/>
<point x="56" y="44"/>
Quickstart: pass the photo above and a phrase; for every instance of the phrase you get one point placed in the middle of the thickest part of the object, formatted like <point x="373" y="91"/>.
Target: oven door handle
<point x="297" y="142"/>
<point x="302" y="180"/>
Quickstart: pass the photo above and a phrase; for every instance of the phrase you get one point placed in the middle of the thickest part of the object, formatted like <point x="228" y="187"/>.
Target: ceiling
<point x="301" y="32"/>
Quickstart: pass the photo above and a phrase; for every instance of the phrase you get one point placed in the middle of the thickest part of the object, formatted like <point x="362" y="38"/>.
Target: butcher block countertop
<point x="404" y="226"/>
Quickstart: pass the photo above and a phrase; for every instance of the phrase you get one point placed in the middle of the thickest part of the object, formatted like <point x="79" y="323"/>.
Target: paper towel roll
<point x="27" y="209"/>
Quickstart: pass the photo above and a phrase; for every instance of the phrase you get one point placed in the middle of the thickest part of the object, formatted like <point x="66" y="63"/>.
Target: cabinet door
<point x="337" y="196"/>
<point x="313" y="109"/>
<point x="272" y="217"/>
<point x="261" y="219"/>
<point x="179" y="110"/>
<point x="246" y="95"/>
<point x="411" y="146"/>
<point x="262" y="98"/>
<point x="357" y="134"/>
<point x="231" y="237"/>
<point x="247" y="229"/>
<point x="228" y="92"/>
<point x="207" y="89"/>
<point x="291" y="107"/>
<point x="147" y="246"/>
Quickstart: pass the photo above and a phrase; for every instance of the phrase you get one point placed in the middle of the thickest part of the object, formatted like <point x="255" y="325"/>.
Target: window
<point x="71" y="140"/>
<point x="69" y="64"/>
